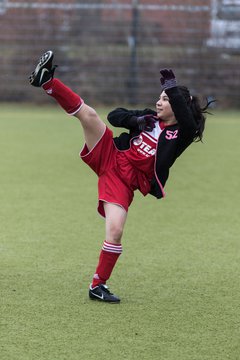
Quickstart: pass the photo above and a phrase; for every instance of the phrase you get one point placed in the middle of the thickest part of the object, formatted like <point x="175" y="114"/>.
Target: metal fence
<point x="111" y="51"/>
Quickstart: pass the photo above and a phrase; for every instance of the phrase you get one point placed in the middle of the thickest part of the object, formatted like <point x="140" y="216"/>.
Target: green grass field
<point x="178" y="280"/>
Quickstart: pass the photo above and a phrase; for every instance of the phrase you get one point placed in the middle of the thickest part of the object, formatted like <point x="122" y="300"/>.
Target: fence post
<point x="133" y="42"/>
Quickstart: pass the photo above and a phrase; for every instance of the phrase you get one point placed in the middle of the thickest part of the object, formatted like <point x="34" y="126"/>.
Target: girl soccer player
<point x="139" y="159"/>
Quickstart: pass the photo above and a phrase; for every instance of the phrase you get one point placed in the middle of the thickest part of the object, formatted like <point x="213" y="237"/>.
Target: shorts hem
<point x="100" y="208"/>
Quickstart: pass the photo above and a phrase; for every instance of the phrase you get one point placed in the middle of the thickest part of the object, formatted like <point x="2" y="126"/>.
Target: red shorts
<point x="117" y="177"/>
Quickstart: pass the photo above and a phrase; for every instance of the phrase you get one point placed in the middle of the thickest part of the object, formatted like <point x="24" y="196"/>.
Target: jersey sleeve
<point x="120" y="117"/>
<point x="182" y="112"/>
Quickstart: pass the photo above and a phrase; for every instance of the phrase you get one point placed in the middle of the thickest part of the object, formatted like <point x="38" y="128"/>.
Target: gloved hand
<point x="144" y="123"/>
<point x="168" y="79"/>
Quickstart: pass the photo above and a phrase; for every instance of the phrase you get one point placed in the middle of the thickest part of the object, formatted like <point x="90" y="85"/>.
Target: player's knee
<point x="115" y="233"/>
<point x="87" y="115"/>
<point x="92" y="114"/>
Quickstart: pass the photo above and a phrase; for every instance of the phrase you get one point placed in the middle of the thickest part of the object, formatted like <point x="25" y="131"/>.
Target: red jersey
<point x="143" y="149"/>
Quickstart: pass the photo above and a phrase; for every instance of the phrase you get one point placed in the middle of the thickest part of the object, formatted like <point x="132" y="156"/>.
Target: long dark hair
<point x="199" y="113"/>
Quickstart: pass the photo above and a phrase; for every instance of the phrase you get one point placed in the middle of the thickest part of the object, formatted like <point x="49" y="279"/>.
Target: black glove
<point x="144" y="123"/>
<point x="168" y="79"/>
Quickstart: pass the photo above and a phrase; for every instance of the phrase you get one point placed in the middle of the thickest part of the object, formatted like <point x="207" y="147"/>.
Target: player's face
<point x="164" y="109"/>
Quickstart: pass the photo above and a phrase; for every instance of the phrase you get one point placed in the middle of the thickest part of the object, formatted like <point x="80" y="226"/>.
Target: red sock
<point x="107" y="260"/>
<point x="69" y="100"/>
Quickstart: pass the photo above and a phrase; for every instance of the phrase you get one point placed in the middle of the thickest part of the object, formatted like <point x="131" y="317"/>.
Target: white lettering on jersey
<point x="146" y="142"/>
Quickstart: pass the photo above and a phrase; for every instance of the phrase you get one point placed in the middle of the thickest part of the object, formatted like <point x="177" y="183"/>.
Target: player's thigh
<point x="116" y="217"/>
<point x="93" y="126"/>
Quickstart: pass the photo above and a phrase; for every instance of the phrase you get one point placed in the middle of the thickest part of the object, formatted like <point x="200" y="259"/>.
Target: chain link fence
<point x="111" y="51"/>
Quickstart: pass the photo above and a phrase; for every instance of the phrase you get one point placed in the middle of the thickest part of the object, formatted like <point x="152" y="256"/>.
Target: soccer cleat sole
<point x="44" y="59"/>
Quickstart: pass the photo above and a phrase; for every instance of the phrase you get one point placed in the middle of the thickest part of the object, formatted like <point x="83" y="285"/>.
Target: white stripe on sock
<point x="112" y="247"/>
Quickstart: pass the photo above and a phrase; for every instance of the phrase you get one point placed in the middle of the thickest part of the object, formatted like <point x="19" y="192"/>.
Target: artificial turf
<point x="178" y="277"/>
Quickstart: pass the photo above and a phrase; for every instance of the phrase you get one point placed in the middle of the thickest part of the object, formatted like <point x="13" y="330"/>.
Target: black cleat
<point x="101" y="293"/>
<point x="44" y="70"/>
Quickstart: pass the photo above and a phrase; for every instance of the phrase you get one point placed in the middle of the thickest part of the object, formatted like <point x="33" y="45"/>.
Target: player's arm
<point x="125" y="118"/>
<point x="182" y="112"/>
<point x="178" y="103"/>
